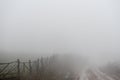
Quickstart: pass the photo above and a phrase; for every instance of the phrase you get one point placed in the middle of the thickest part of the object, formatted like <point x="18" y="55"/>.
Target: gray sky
<point x="31" y="28"/>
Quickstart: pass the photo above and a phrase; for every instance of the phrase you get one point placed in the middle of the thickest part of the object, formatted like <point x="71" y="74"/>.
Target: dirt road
<point x="94" y="74"/>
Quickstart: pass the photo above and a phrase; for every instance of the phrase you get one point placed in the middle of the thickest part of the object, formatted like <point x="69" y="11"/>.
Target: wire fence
<point x="40" y="69"/>
<point x="16" y="70"/>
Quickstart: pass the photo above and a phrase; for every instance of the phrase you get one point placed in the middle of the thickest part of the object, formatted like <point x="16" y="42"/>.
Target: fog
<point x="30" y="29"/>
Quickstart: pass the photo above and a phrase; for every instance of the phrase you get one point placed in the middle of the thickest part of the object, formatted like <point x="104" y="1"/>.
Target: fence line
<point x="8" y="63"/>
<point x="40" y="69"/>
<point x="20" y="67"/>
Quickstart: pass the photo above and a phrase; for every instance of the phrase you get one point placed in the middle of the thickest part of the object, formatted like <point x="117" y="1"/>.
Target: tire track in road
<point x="102" y="75"/>
<point x="94" y="74"/>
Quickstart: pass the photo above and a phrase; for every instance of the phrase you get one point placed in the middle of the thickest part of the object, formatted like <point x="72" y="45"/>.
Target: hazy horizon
<point x="33" y="28"/>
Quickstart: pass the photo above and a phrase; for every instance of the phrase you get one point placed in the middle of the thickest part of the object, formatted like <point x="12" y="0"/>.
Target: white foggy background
<point x="33" y="28"/>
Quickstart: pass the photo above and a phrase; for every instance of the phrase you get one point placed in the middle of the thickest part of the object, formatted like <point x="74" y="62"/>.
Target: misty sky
<point x="31" y="28"/>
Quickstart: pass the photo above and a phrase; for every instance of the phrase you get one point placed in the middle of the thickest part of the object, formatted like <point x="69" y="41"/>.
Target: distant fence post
<point x="30" y="67"/>
<point x="18" y="69"/>
<point x="38" y="66"/>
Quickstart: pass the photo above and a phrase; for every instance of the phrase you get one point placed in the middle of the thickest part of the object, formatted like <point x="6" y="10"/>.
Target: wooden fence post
<point x="18" y="69"/>
<point x="23" y="67"/>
